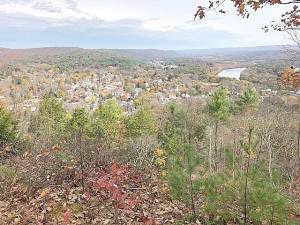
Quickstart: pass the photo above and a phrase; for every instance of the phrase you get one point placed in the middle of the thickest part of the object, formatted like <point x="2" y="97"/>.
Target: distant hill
<point x="259" y="52"/>
<point x="11" y="55"/>
<point x="262" y="52"/>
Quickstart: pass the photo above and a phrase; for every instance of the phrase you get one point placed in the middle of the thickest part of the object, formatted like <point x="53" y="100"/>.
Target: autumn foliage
<point x="289" y="20"/>
<point x="290" y="77"/>
<point x="115" y="184"/>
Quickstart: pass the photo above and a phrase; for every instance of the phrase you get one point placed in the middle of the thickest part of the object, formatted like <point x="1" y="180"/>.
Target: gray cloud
<point x="28" y="31"/>
<point x="47" y="6"/>
<point x="25" y="30"/>
<point x="16" y="1"/>
<point x="72" y="4"/>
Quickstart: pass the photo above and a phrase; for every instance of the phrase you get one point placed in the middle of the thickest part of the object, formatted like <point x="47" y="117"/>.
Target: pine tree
<point x="183" y="176"/>
<point x="183" y="160"/>
<point x="219" y="110"/>
<point x="78" y="129"/>
<point x="249" y="100"/>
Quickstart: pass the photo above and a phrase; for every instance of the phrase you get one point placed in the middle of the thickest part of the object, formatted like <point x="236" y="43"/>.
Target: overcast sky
<point x="160" y="24"/>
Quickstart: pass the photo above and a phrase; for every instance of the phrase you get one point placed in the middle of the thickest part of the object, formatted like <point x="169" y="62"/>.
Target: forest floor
<point x="115" y="194"/>
<point x="110" y="196"/>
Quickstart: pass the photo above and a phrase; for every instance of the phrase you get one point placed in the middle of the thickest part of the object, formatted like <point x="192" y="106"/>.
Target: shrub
<point x="8" y="131"/>
<point x="11" y="177"/>
<point x="140" y="151"/>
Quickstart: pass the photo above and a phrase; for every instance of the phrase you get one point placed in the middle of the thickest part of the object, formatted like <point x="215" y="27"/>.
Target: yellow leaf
<point x="44" y="192"/>
<point x="159" y="152"/>
<point x="252" y="154"/>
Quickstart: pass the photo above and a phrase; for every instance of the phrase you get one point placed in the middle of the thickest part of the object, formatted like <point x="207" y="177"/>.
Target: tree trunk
<point x="260" y="147"/>
<point x="298" y="144"/>
<point x="246" y="191"/>
<point x="216" y="144"/>
<point x="81" y="160"/>
<point x="233" y="155"/>
<point x="210" y="152"/>
<point x="192" y="197"/>
<point x="270" y="158"/>
<point x="246" y="179"/>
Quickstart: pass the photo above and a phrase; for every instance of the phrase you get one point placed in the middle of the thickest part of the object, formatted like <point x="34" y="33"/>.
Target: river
<point x="231" y="73"/>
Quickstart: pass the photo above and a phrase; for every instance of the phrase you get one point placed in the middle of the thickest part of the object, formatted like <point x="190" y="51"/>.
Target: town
<point x="23" y="87"/>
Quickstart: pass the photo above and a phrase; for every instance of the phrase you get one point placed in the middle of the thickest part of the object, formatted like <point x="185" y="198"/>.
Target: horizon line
<point x="155" y="49"/>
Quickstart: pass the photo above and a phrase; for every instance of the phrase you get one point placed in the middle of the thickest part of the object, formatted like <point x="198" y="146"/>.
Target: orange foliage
<point x="290" y="77"/>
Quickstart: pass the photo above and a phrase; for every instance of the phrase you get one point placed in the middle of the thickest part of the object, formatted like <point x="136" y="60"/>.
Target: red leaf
<point x="87" y="196"/>
<point x="104" y="183"/>
<point x="118" y="170"/>
<point x="147" y="221"/>
<point x="131" y="202"/>
<point x="122" y="206"/>
<point x="117" y="195"/>
<point x="66" y="217"/>
<point x="136" y="179"/>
